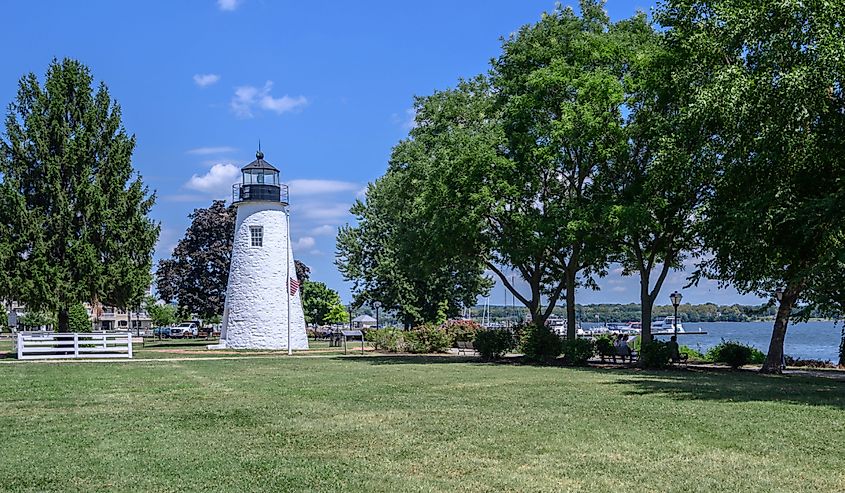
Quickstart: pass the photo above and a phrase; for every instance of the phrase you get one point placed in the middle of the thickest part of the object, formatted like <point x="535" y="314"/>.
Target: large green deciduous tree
<point x="654" y="194"/>
<point x="320" y="303"/>
<point x="393" y="256"/>
<point x="504" y="167"/>
<point x="75" y="211"/>
<point x="767" y="81"/>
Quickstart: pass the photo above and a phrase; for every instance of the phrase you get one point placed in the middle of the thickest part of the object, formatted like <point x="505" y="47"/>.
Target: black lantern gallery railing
<point x="272" y="193"/>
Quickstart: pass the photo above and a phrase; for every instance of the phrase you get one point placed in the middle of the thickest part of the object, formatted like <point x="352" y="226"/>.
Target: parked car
<point x="185" y="329"/>
<point x="161" y="332"/>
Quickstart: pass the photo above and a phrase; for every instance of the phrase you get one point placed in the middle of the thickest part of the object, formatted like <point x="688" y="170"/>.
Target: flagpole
<point x="287" y="267"/>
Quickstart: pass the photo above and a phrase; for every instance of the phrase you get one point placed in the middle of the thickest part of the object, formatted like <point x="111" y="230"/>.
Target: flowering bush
<point x="427" y="338"/>
<point x="462" y="330"/>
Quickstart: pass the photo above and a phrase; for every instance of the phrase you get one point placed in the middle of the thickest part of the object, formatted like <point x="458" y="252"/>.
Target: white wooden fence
<point x="56" y="345"/>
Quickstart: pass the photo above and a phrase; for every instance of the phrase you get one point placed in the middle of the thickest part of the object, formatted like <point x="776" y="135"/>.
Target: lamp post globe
<point x="377" y="305"/>
<point x="676" y="300"/>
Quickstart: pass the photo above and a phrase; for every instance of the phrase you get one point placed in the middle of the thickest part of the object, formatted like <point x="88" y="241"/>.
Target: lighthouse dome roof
<point x="260" y="163"/>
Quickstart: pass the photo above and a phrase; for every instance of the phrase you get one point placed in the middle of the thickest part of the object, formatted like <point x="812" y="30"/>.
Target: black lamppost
<point x="377" y="305"/>
<point x="676" y="300"/>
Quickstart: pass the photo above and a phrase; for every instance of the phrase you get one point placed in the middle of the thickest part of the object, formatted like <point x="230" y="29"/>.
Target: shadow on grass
<point x="681" y="384"/>
<point x="178" y="343"/>
<point x="409" y="359"/>
<point x="731" y="386"/>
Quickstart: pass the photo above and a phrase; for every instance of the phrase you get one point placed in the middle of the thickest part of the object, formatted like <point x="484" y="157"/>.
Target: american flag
<point x="293" y="285"/>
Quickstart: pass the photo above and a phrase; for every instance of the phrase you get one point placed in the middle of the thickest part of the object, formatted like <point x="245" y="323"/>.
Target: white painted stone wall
<point x="256" y="311"/>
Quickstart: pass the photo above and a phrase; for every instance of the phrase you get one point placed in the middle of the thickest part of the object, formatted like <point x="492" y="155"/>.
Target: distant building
<point x="103" y="318"/>
<point x="363" y="322"/>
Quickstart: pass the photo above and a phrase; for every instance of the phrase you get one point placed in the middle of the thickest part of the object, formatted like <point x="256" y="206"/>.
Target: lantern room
<point x="260" y="182"/>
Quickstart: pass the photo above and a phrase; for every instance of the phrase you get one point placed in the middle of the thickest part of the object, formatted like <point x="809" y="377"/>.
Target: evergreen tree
<point x="76" y="211"/>
<point x="78" y="320"/>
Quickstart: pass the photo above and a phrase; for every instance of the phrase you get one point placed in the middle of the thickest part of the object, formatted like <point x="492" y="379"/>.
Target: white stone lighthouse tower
<point x="263" y="305"/>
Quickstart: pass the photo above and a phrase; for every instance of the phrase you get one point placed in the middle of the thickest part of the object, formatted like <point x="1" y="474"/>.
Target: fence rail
<point x="54" y="345"/>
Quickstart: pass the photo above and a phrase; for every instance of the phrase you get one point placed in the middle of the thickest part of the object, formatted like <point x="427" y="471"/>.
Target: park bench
<point x="465" y="346"/>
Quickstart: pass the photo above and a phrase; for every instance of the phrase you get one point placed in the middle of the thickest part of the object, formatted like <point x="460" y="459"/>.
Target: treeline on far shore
<point x="708" y="312"/>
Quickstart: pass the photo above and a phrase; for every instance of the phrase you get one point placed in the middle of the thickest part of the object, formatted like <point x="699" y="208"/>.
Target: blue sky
<point x="326" y="86"/>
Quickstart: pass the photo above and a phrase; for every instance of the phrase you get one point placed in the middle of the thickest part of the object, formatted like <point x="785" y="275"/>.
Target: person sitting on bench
<point x="675" y="351"/>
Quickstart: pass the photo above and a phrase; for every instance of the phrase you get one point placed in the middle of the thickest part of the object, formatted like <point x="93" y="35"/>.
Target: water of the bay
<point x="810" y="340"/>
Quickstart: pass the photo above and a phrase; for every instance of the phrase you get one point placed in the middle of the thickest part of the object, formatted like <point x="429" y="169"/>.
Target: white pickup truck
<point x="185" y="329"/>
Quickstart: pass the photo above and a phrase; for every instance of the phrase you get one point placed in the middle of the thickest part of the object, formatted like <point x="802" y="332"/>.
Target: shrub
<point x="540" y="344"/>
<point x="78" y="320"/>
<point x="577" y="352"/>
<point x="808" y="363"/>
<point x="604" y="346"/>
<point x="734" y="354"/>
<point x="428" y="339"/>
<point x="462" y="330"/>
<point x="388" y="339"/>
<point x="493" y="344"/>
<point x="655" y="354"/>
<point x="692" y="354"/>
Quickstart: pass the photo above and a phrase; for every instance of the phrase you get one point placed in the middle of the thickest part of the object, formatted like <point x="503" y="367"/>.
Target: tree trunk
<point x="774" y="359"/>
<point x="646" y="308"/>
<point x="842" y="347"/>
<point x="64" y="320"/>
<point x="571" y="329"/>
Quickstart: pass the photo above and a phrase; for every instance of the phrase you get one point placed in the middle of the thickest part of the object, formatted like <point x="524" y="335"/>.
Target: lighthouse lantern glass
<point x="260" y="177"/>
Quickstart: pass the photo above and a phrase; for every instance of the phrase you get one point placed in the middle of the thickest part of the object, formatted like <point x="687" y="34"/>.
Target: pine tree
<point x="77" y="212"/>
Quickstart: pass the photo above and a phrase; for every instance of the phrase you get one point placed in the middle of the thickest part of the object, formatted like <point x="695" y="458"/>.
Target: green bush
<point x="692" y="354"/>
<point x="428" y="339"/>
<point x="655" y="354"/>
<point x="493" y="344"/>
<point x="735" y="354"/>
<point x="576" y="352"/>
<point x="540" y="344"/>
<point x="462" y="330"/>
<point x="604" y="347"/>
<point x="78" y="320"/>
<point x="388" y="339"/>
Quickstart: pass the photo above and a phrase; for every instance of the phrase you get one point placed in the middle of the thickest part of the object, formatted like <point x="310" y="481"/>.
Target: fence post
<point x="129" y="339"/>
<point x="19" y="337"/>
<point x="75" y="344"/>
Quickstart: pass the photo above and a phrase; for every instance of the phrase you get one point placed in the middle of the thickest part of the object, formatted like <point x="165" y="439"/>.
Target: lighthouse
<point x="263" y="307"/>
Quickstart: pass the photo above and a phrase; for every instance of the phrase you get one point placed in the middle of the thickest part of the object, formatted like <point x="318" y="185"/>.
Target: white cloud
<point x="247" y="98"/>
<point x="321" y="212"/>
<point x="324" y="230"/>
<point x="304" y="243"/>
<point x="228" y="5"/>
<point x="217" y="181"/>
<point x="204" y="80"/>
<point x="316" y="187"/>
<point x="202" y="151"/>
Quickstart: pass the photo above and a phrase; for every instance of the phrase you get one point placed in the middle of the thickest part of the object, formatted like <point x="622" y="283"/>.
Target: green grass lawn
<point x="378" y="423"/>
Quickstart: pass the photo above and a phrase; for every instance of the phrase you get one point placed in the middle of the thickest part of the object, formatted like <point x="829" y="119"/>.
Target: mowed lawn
<point x="378" y="423"/>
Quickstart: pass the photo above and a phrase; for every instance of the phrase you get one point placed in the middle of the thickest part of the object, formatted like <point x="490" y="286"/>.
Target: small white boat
<point x="666" y="325"/>
<point x="558" y="326"/>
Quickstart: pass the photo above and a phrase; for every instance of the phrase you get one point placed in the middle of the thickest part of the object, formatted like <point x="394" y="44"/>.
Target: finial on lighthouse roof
<point x="259" y="154"/>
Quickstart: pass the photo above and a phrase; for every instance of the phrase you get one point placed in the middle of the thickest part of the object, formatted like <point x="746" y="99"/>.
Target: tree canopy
<point x="320" y="304"/>
<point x="75" y="211"/>
<point x="768" y="79"/>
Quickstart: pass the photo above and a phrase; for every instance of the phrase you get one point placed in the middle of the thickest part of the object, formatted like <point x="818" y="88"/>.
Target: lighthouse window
<point x="256" y="234"/>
